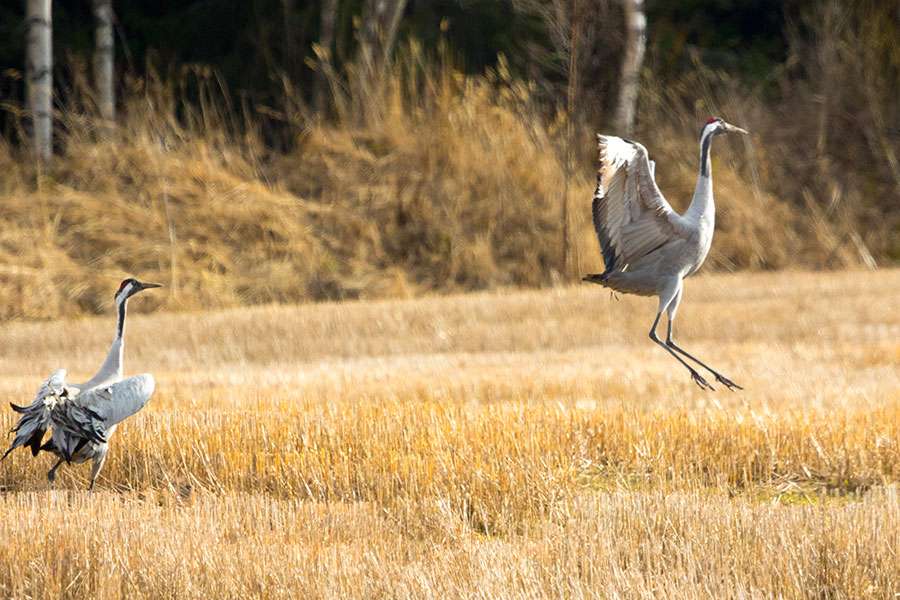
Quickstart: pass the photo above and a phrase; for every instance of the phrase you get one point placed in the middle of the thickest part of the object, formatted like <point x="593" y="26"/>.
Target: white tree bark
<point x="633" y="59"/>
<point x="39" y="75"/>
<point x="104" y="51"/>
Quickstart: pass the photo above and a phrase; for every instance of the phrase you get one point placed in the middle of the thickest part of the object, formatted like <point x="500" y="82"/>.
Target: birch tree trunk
<point x="636" y="23"/>
<point x="39" y="75"/>
<point x="104" y="50"/>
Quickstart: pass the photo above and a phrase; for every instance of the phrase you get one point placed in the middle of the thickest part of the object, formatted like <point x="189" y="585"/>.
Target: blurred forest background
<point x="280" y="151"/>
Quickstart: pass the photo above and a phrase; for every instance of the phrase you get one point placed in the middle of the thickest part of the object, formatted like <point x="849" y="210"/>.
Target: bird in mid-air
<point x="648" y="248"/>
<point x="83" y="416"/>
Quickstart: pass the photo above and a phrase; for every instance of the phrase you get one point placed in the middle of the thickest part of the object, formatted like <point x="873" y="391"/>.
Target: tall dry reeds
<point x="456" y="189"/>
<point x="453" y="183"/>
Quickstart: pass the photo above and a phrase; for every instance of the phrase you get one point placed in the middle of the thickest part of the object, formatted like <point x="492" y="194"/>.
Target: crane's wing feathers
<point x="631" y="217"/>
<point x="115" y="403"/>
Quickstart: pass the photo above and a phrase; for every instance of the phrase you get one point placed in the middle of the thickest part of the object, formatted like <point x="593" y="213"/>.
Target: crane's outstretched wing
<point x="90" y="416"/>
<point x="36" y="417"/>
<point x="631" y="217"/>
<point x="119" y="401"/>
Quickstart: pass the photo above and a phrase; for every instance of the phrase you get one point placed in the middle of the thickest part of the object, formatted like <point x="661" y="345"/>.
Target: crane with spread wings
<point x="648" y="248"/>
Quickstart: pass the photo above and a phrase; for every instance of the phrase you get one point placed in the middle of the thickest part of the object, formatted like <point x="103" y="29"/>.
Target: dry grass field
<point x="498" y="445"/>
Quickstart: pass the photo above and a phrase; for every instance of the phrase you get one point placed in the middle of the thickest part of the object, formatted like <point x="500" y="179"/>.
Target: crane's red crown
<point x="713" y="120"/>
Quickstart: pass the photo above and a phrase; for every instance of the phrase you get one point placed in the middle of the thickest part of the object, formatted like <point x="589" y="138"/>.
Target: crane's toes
<point x="698" y="379"/>
<point x="728" y="383"/>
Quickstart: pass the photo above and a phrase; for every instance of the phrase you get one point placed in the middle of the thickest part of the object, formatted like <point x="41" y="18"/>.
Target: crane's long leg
<point x="669" y="299"/>
<point x="720" y="378"/>
<point x="698" y="379"/>
<point x="51" y="475"/>
<point x="96" y="465"/>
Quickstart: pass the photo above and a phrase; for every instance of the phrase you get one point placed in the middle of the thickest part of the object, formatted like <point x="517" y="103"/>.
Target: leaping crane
<point x="83" y="416"/>
<point x="648" y="248"/>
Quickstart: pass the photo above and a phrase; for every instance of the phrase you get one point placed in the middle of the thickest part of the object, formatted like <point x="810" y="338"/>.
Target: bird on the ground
<point x="83" y="416"/>
<point x="648" y="248"/>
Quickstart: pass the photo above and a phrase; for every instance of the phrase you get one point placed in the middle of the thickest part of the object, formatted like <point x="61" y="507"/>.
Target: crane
<point x="83" y="416"/>
<point x="648" y="248"/>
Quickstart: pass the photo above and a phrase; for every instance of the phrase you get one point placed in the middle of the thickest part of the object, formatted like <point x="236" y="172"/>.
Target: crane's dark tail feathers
<point x="33" y="442"/>
<point x="30" y="429"/>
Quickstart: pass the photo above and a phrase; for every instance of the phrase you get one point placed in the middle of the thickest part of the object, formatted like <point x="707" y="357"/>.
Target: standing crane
<point x="83" y="416"/>
<point x="648" y="248"/>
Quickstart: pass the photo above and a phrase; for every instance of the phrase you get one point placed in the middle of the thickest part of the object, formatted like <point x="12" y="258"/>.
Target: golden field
<point x="512" y="444"/>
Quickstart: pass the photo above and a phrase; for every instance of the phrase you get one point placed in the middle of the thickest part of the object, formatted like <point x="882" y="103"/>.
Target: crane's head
<point x="716" y="126"/>
<point x="132" y="286"/>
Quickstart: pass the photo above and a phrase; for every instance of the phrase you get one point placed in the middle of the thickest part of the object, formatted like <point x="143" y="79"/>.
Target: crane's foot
<point x="51" y="474"/>
<point x="698" y="379"/>
<point x="728" y="383"/>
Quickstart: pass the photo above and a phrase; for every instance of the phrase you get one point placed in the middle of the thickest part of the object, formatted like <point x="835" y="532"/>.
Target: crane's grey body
<point x="83" y="422"/>
<point x="648" y="248"/>
<point x="83" y="417"/>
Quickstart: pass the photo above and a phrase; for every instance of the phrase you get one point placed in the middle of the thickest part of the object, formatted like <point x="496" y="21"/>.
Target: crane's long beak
<point x="729" y="128"/>
<point x="144" y="286"/>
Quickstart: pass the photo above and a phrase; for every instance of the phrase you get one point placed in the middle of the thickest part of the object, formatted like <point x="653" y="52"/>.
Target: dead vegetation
<point x="456" y="185"/>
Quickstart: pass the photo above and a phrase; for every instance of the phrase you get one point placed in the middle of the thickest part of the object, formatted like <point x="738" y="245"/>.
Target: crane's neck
<point x="702" y="209"/>
<point x="111" y="371"/>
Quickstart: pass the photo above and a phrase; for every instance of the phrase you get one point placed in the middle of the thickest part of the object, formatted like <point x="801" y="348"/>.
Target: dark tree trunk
<point x="328" y="17"/>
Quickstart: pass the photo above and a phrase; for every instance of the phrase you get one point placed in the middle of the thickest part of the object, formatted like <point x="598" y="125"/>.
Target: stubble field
<point x="498" y="445"/>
